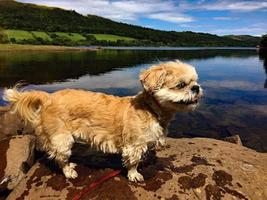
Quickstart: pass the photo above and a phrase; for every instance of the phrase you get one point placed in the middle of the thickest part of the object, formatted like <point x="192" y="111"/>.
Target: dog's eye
<point x="181" y="85"/>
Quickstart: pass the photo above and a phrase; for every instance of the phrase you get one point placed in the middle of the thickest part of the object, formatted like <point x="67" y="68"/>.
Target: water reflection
<point x="37" y="68"/>
<point x="263" y="56"/>
<point x="235" y="100"/>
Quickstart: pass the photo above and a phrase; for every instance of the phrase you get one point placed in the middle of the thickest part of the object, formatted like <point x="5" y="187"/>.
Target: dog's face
<point x="173" y="85"/>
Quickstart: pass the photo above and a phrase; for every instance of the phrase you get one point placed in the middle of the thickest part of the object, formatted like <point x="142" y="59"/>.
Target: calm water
<point x="235" y="97"/>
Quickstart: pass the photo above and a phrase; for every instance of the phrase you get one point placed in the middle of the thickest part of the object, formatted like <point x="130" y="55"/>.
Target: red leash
<point x="96" y="183"/>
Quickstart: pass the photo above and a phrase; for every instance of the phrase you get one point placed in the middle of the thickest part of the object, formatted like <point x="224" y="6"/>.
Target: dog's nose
<point x="195" y="88"/>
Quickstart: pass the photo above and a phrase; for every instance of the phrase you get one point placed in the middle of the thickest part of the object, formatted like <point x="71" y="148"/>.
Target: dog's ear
<point x="153" y="78"/>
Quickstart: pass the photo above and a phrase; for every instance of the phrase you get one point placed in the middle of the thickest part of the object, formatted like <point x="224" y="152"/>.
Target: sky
<point x="221" y="17"/>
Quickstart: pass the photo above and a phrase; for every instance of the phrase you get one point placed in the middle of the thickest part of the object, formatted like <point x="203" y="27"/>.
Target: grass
<point x="72" y="36"/>
<point x="42" y="35"/>
<point x="112" y="38"/>
<point x="19" y="35"/>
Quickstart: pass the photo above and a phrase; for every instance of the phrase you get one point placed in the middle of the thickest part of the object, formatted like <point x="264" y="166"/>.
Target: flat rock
<point x="197" y="168"/>
<point x="16" y="158"/>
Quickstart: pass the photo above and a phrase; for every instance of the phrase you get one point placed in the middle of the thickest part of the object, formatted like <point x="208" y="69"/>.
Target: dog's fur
<point x="125" y="125"/>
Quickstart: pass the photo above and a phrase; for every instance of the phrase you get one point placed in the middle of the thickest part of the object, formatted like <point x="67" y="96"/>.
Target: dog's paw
<point x="69" y="171"/>
<point x="135" y="177"/>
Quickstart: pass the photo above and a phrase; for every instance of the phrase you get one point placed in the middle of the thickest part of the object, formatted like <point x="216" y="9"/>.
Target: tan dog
<point x="125" y="125"/>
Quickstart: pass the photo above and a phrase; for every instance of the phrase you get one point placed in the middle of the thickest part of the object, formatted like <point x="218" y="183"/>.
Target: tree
<point x="3" y="37"/>
<point x="263" y="42"/>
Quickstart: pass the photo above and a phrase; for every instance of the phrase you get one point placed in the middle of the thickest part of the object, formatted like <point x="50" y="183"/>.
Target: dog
<point x="129" y="126"/>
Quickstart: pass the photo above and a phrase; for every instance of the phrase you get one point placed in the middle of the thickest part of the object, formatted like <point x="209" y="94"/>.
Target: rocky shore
<point x="197" y="168"/>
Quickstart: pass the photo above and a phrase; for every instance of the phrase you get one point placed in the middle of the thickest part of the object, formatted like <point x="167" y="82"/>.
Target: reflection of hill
<point x="38" y="68"/>
<point x="263" y="56"/>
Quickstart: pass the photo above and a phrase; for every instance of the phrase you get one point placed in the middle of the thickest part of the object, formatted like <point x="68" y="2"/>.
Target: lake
<point x="234" y="82"/>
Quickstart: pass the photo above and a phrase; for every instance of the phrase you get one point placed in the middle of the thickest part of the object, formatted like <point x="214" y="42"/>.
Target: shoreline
<point x="19" y="47"/>
<point x="26" y="47"/>
<point x="176" y="48"/>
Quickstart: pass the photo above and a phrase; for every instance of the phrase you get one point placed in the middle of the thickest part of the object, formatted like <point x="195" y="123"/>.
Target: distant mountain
<point x="244" y="38"/>
<point x="30" y="17"/>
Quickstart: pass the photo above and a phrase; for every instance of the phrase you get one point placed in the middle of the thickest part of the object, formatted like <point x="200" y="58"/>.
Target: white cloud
<point x="122" y="10"/>
<point x="233" y="5"/>
<point x="240" y="31"/>
<point x="194" y="26"/>
<point x="173" y="11"/>
<point x="166" y="10"/>
<point x="171" y="17"/>
<point x="147" y="6"/>
<point x="225" y="18"/>
<point x="236" y="6"/>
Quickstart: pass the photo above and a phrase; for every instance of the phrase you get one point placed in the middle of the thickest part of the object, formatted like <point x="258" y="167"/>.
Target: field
<point x="19" y="35"/>
<point x="109" y="37"/>
<point x="57" y="38"/>
<point x="72" y="36"/>
<point x="42" y="35"/>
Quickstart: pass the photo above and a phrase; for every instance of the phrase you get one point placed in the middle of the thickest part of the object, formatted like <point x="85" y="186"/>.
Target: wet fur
<point x="125" y="125"/>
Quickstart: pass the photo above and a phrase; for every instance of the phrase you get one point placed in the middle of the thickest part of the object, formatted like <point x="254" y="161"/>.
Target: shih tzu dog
<point x="126" y="125"/>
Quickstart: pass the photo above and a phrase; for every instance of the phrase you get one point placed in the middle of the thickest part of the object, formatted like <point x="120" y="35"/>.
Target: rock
<point x="16" y="158"/>
<point x="11" y="124"/>
<point x="196" y="168"/>
<point x="234" y="139"/>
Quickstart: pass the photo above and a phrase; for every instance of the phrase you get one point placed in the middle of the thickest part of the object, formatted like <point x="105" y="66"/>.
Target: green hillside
<point x="47" y="20"/>
<point x="58" y="38"/>
<point x="109" y="37"/>
<point x="19" y="35"/>
<point x="244" y="38"/>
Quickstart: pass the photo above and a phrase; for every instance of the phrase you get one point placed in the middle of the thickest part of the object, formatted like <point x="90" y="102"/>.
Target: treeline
<point x="15" y="15"/>
<point x="3" y="37"/>
<point x="90" y="41"/>
<point x="55" y="40"/>
<point x="263" y="41"/>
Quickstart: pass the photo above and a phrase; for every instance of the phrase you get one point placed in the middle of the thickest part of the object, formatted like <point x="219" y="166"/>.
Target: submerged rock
<point x="196" y="168"/>
<point x="234" y="139"/>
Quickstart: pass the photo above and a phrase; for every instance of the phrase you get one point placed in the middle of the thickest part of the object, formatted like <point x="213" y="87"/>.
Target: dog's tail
<point x="27" y="104"/>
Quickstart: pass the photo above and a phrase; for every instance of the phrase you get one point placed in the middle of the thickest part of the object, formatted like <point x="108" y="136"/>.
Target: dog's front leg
<point x="61" y="145"/>
<point x="131" y="156"/>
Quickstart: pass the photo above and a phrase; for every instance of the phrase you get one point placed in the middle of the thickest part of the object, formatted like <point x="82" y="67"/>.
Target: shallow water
<point x="233" y="79"/>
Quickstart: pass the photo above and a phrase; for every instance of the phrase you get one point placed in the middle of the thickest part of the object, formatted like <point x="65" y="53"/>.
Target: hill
<point x="30" y="17"/>
<point x="263" y="41"/>
<point x="244" y="38"/>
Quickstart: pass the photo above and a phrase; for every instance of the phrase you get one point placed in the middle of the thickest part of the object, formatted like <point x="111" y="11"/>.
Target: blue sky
<point x="211" y="16"/>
